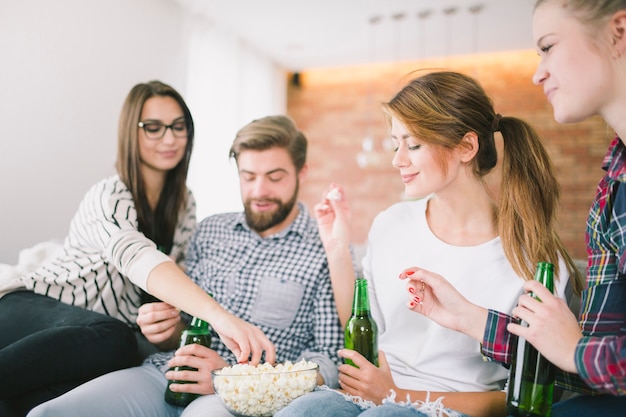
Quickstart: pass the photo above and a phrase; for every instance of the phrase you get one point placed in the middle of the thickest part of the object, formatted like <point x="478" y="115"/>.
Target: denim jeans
<point x="48" y="347"/>
<point x="326" y="402"/>
<point x="132" y="392"/>
<point x="587" y="406"/>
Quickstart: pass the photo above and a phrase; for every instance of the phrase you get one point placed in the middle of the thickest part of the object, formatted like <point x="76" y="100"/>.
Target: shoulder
<point x="111" y="186"/>
<point x="401" y="211"/>
<point x="107" y="193"/>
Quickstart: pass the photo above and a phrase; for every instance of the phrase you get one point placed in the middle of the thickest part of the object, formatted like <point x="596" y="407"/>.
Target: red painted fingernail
<point x="412" y="304"/>
<point x="411" y="290"/>
<point x="417" y="299"/>
<point x="410" y="272"/>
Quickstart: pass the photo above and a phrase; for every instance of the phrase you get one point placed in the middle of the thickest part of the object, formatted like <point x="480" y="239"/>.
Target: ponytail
<point x="528" y="204"/>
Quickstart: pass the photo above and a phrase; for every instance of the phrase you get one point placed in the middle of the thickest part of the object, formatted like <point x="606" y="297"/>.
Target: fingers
<point x="262" y="345"/>
<point x="408" y="273"/>
<point x="256" y="352"/>
<point x="270" y="352"/>
<point x="538" y="290"/>
<point x="359" y="360"/>
<point x="251" y="347"/>
<point x="155" y="312"/>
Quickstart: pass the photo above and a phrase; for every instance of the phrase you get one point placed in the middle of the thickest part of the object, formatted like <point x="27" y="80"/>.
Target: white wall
<point x="229" y="86"/>
<point x="65" y="69"/>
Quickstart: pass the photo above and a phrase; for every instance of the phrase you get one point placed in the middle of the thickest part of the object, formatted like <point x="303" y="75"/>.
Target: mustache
<point x="265" y="200"/>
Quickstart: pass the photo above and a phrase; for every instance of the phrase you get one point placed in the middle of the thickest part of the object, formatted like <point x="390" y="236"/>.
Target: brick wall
<point x="338" y="107"/>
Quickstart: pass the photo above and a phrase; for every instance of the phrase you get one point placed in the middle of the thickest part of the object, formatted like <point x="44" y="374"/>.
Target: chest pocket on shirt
<point x="277" y="303"/>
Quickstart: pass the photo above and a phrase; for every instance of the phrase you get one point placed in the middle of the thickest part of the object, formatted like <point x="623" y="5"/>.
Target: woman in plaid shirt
<point x="582" y="45"/>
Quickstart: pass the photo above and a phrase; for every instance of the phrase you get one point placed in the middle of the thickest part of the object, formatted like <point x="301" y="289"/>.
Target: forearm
<point x="168" y="283"/>
<point x="475" y="404"/>
<point x="342" y="278"/>
<point x="605" y="373"/>
<point x="473" y="322"/>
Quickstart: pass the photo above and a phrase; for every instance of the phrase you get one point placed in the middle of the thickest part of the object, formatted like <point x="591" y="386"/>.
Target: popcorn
<point x="334" y="194"/>
<point x="264" y="389"/>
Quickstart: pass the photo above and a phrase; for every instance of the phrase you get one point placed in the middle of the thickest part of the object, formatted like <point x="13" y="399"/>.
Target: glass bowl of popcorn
<point x="262" y="390"/>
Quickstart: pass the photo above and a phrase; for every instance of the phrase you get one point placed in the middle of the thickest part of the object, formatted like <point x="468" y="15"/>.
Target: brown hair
<point x="158" y="225"/>
<point x="268" y="132"/>
<point x="440" y="108"/>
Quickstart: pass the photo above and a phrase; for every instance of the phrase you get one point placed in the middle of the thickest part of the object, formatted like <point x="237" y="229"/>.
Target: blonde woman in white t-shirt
<point x="481" y="217"/>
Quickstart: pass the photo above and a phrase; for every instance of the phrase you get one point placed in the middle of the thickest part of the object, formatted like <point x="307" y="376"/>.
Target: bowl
<point x="262" y="390"/>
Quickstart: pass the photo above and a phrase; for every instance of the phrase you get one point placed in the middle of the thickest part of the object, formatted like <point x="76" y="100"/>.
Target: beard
<point x="260" y="222"/>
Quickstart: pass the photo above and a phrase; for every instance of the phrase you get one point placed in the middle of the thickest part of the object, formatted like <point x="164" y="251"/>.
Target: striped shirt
<point x="279" y="283"/>
<point x="600" y="355"/>
<point x="105" y="260"/>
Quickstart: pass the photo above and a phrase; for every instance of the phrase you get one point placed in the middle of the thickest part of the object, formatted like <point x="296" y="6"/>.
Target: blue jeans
<point x="48" y="347"/>
<point x="132" y="392"/>
<point x="331" y="403"/>
<point x="587" y="406"/>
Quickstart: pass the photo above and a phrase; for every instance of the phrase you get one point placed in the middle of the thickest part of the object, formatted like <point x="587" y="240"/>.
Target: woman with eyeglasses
<point x="74" y="318"/>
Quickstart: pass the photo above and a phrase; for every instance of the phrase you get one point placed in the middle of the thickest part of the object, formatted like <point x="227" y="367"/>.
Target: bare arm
<point x="333" y="218"/>
<point x="434" y="297"/>
<point x="168" y="283"/>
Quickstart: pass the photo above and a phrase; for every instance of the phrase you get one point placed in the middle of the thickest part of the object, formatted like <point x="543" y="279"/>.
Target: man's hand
<point x="201" y="358"/>
<point x="160" y="323"/>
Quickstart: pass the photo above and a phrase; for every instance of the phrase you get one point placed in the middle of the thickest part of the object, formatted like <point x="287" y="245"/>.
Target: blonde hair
<point x="441" y="108"/>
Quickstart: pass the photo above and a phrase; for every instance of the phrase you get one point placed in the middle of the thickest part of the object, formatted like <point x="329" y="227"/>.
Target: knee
<point x="116" y="340"/>
<point x="43" y="410"/>
<point x="319" y="403"/>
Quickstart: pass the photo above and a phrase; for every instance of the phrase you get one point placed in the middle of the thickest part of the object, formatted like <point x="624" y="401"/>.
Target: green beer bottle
<point x="361" y="333"/>
<point x="531" y="377"/>
<point x="197" y="332"/>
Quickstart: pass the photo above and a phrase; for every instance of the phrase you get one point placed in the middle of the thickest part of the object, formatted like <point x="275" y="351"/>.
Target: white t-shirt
<point x="422" y="354"/>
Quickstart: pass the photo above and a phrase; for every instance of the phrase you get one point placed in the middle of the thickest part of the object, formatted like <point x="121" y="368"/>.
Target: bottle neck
<point x="545" y="275"/>
<point x="197" y="323"/>
<point x="361" y="302"/>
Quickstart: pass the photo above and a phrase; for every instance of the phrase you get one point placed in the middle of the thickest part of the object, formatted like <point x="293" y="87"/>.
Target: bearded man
<point x="266" y="265"/>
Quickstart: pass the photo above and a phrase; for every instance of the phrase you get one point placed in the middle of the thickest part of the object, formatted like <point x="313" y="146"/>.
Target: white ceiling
<point x="300" y="35"/>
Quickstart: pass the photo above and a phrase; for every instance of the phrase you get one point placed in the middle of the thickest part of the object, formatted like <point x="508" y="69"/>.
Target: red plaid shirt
<point x="601" y="352"/>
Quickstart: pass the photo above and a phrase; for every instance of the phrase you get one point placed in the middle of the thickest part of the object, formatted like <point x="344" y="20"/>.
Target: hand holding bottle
<point x="203" y="360"/>
<point x="553" y="329"/>
<point x="370" y="382"/>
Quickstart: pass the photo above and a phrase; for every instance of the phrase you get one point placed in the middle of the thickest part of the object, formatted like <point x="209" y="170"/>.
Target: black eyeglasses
<point x="156" y="130"/>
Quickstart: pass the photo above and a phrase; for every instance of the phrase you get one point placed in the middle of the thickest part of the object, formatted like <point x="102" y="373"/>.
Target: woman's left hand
<point x="552" y="328"/>
<point x="367" y="381"/>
